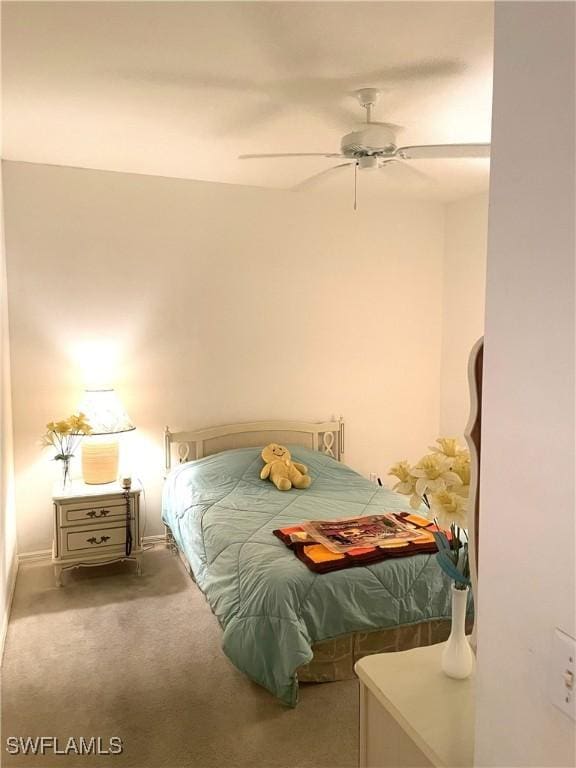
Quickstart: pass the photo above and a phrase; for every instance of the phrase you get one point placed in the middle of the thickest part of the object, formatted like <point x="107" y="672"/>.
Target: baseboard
<point x="37" y="556"/>
<point x="10" y="596"/>
<point x="43" y="555"/>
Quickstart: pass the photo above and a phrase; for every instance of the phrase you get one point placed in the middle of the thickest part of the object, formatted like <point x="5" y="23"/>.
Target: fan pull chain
<point x="356" y="186"/>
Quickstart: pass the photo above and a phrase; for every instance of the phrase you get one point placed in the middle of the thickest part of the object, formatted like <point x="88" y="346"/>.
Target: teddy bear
<point x="281" y="470"/>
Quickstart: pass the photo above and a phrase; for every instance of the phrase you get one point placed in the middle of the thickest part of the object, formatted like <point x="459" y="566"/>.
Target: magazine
<point x="384" y="530"/>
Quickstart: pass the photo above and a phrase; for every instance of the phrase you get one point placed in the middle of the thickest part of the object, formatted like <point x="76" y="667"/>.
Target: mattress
<point x="272" y="609"/>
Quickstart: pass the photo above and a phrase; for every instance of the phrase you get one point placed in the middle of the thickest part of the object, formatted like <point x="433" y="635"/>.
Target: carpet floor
<point x="114" y="654"/>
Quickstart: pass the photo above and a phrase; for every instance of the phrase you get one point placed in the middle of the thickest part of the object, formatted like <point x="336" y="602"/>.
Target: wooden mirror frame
<point x="473" y="439"/>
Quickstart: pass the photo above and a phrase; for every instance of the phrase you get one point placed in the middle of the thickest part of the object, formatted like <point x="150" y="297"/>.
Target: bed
<point x="283" y="624"/>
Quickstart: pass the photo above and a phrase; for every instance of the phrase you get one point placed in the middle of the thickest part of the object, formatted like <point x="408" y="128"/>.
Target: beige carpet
<point x="112" y="654"/>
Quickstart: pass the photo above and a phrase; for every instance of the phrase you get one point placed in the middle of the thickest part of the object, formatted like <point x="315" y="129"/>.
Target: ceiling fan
<point x="375" y="145"/>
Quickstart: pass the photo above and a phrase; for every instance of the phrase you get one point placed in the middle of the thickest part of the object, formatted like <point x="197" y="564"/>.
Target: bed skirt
<point x="334" y="659"/>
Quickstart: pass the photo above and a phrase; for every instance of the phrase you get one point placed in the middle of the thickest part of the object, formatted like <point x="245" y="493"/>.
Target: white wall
<point x="466" y="227"/>
<point x="223" y="304"/>
<point x="8" y="562"/>
<point x="527" y="531"/>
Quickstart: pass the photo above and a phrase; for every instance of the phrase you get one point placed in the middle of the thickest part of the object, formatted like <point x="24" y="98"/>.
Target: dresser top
<point x="435" y="711"/>
<point x="78" y="489"/>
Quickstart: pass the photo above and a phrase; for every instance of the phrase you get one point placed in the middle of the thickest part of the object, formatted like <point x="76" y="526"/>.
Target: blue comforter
<point x="271" y="607"/>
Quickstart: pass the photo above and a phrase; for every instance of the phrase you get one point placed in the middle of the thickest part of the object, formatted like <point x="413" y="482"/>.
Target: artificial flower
<point x="434" y="474"/>
<point x="448" y="447"/>
<point x="79" y="423"/>
<point x="407" y="484"/>
<point x="446" y="469"/>
<point x="461" y="465"/>
<point x="417" y="501"/>
<point x="65" y="435"/>
<point x="449" y="507"/>
<point x="462" y="490"/>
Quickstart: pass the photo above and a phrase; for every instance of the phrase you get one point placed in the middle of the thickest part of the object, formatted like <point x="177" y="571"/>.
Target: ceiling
<point x="180" y="89"/>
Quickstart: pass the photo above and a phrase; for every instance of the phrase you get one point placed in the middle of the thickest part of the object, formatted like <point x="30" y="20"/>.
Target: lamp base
<point x="99" y="462"/>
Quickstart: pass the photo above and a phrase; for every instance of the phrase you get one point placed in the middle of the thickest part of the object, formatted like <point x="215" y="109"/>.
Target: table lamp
<point x="106" y="416"/>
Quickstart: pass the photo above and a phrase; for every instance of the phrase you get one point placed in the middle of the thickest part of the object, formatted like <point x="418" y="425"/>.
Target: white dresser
<point x="92" y="524"/>
<point x="411" y="714"/>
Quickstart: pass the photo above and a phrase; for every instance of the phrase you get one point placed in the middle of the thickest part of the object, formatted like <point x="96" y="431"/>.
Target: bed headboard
<point x="326" y="437"/>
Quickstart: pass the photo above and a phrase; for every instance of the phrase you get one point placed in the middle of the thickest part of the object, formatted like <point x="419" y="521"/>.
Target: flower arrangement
<point x="441" y="481"/>
<point x="65" y="436"/>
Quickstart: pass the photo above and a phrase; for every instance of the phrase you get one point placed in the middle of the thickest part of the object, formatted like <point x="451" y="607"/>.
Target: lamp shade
<point x="106" y="416"/>
<point x="104" y="412"/>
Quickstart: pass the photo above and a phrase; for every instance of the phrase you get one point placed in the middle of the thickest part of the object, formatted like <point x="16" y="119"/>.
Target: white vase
<point x="457" y="656"/>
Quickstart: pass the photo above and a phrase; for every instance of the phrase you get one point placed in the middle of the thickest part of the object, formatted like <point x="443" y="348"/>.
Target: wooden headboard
<point x="326" y="437"/>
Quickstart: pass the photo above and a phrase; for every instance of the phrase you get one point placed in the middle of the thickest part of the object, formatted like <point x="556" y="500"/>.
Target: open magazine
<point x="384" y="530"/>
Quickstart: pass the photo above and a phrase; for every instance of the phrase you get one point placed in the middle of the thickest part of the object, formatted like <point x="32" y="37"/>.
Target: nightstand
<point x="90" y="526"/>
<point x="411" y="714"/>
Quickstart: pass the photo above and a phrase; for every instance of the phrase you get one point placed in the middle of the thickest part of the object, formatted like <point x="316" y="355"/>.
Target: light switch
<point x="562" y="671"/>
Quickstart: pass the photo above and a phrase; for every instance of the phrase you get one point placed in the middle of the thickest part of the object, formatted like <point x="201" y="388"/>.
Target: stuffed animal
<point x="281" y="470"/>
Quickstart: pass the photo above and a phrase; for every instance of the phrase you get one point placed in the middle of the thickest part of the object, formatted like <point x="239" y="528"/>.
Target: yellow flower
<point x="461" y="466"/>
<point x="433" y="473"/>
<point x="448" y="447"/>
<point x="416" y="501"/>
<point x="449" y="508"/>
<point x="79" y="424"/>
<point x="407" y="483"/>
<point x="64" y="435"/>
<point x="401" y="470"/>
<point x="462" y="490"/>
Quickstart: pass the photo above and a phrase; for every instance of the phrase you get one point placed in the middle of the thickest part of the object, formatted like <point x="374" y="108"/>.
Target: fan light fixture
<point x="106" y="416"/>
<point x="374" y="146"/>
<point x="368" y="163"/>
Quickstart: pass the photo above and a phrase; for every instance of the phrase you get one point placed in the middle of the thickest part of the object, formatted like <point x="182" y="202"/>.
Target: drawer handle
<point x="94" y="540"/>
<point x="98" y="513"/>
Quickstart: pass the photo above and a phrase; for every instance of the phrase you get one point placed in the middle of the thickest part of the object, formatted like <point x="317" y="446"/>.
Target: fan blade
<point x="410" y="177"/>
<point x="311" y="180"/>
<point x="291" y="154"/>
<point x="443" y="151"/>
<point x="406" y="167"/>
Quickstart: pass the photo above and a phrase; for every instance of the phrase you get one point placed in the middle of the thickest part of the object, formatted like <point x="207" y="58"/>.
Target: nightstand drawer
<point x="90" y="526"/>
<point x="91" y="540"/>
<point x="81" y="512"/>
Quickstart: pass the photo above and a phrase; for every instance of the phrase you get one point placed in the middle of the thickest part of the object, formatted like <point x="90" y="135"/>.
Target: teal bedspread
<point x="270" y="606"/>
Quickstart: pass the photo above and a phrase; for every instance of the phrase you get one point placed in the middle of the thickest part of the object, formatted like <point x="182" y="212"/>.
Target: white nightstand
<point x="411" y="714"/>
<point x="91" y="523"/>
